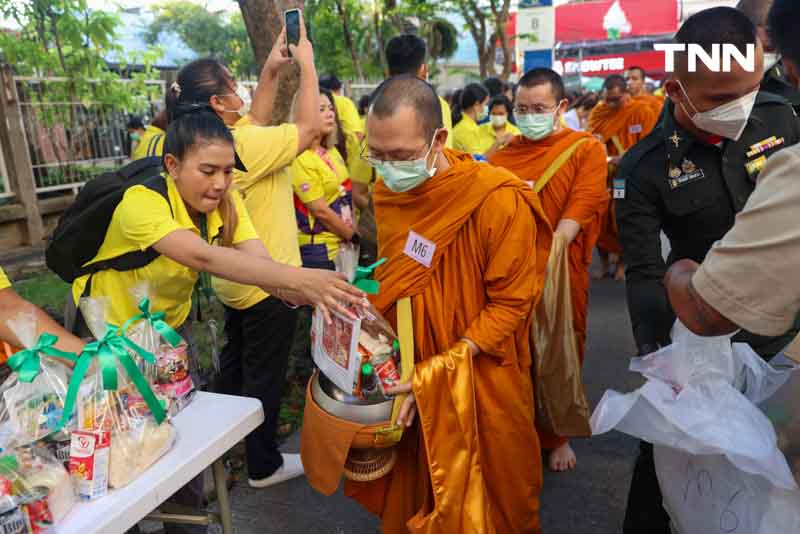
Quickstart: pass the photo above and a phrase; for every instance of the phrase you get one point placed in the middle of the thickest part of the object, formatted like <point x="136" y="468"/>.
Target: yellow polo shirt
<point x="467" y="136"/>
<point x="150" y="144"/>
<point x="4" y="281"/>
<point x="489" y="136"/>
<point x="141" y="219"/>
<point x="348" y="115"/>
<point x="266" y="187"/>
<point x="314" y="179"/>
<point x="447" y="120"/>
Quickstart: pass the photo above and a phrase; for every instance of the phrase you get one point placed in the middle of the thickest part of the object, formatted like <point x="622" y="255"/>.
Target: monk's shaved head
<point x="615" y="81"/>
<point x="409" y="91"/>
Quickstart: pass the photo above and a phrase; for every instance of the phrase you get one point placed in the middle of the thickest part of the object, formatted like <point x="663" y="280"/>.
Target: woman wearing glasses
<point x="323" y="192"/>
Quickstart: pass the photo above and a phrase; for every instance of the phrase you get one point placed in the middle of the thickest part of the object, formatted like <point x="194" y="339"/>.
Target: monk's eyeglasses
<point x="366" y="156"/>
<point x="538" y="109"/>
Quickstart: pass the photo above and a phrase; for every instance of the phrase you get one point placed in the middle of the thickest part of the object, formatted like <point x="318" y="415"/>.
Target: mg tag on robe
<point x="419" y="249"/>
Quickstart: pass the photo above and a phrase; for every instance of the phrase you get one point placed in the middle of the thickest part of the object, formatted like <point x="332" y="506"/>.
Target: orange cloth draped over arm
<point x="473" y="464"/>
<point x="577" y="192"/>
<point x="629" y="124"/>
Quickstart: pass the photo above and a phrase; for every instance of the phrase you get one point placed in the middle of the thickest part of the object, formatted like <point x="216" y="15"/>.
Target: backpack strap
<point x="152" y="146"/>
<point x="556" y="165"/>
<point x="137" y="258"/>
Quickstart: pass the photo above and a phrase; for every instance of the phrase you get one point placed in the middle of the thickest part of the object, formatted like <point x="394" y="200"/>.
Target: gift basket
<point x="118" y="426"/>
<point x="359" y="358"/>
<point x="32" y="400"/>
<point x="170" y="373"/>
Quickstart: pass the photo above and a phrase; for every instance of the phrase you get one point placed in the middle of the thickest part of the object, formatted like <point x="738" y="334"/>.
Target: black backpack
<point x="82" y="227"/>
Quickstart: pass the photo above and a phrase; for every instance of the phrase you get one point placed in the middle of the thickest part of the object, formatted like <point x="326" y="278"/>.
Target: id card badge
<point x="419" y="249"/>
<point x="619" y="188"/>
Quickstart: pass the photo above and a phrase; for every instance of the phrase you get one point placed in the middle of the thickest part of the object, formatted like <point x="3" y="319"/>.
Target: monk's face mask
<point x="402" y="176"/>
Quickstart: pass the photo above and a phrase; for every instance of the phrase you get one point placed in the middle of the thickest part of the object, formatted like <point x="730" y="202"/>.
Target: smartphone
<point x="292" y="20"/>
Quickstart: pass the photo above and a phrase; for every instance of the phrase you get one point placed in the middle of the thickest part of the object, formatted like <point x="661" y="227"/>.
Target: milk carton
<point x="88" y="462"/>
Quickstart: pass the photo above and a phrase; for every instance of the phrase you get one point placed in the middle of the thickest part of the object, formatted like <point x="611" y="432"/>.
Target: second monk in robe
<point x="620" y="122"/>
<point x="574" y="197"/>
<point x="469" y="461"/>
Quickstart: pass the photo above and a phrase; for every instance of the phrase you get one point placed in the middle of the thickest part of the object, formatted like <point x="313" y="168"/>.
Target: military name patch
<point x="687" y="173"/>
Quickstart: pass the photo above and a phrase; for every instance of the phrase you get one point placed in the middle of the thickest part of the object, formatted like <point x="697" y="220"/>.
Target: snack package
<point x="341" y="350"/>
<point x="170" y="374"/>
<point x="35" y="488"/>
<point x="32" y="398"/>
<point x="109" y="393"/>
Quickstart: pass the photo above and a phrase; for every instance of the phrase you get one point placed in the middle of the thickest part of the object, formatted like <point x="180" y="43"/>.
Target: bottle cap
<point x="396" y="345"/>
<point x="366" y="369"/>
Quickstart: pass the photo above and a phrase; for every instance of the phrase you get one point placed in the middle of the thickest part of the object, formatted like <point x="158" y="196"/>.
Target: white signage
<point x="723" y="54"/>
<point x="609" y="64"/>
<point x="536" y="28"/>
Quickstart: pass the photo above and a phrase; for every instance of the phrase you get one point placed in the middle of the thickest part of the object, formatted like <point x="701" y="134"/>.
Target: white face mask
<point x="242" y="92"/>
<point x="770" y="60"/>
<point x="728" y="120"/>
<point x="499" y="121"/>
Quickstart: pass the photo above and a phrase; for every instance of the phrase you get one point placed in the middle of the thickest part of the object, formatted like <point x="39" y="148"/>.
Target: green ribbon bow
<point x="363" y="278"/>
<point x="26" y="363"/>
<point x="157" y="321"/>
<point x="112" y="348"/>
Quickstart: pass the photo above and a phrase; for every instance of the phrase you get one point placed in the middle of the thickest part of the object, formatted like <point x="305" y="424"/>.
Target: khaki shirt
<point x="752" y="275"/>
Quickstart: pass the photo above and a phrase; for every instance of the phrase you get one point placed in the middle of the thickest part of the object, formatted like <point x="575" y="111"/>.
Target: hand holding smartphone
<point x="292" y="22"/>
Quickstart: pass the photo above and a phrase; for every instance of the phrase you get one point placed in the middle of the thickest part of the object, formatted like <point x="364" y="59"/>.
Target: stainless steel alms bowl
<point x="339" y="404"/>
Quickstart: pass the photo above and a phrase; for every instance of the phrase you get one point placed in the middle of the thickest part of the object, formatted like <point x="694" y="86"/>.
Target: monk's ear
<point x="440" y="139"/>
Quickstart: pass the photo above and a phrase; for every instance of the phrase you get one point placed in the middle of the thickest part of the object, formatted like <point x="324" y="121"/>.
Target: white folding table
<point x="210" y="426"/>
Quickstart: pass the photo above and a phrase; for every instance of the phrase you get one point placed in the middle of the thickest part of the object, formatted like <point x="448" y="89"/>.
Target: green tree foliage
<point x="371" y="25"/>
<point x="66" y="39"/>
<point x="217" y="34"/>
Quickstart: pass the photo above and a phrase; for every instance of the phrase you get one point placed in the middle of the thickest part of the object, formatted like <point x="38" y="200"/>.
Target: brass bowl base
<point x="366" y="465"/>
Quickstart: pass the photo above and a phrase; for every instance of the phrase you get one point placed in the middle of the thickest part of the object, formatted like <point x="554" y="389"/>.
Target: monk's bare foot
<point x="562" y="459"/>
<point x="620" y="273"/>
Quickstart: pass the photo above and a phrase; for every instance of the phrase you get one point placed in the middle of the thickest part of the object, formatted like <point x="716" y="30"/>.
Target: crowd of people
<point x="490" y="176"/>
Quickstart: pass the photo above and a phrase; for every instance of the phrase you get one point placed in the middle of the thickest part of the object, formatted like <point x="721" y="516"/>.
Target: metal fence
<point x="71" y="142"/>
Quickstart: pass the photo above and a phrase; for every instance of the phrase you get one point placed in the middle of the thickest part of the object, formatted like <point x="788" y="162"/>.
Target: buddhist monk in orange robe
<point x="635" y="77"/>
<point x="619" y="122"/>
<point x="469" y="461"/>
<point x="575" y="199"/>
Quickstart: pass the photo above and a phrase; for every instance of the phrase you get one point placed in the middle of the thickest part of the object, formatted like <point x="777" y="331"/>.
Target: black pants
<point x="645" y="513"/>
<point x="253" y="363"/>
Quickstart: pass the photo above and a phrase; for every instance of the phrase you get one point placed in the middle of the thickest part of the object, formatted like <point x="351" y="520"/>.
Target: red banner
<point x="652" y="62"/>
<point x="615" y="19"/>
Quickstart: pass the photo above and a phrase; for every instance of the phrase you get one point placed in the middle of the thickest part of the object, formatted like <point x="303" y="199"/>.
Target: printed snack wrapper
<point x="340" y="348"/>
<point x="170" y="373"/>
<point x="36" y="488"/>
<point x="32" y="398"/>
<point x="111" y="394"/>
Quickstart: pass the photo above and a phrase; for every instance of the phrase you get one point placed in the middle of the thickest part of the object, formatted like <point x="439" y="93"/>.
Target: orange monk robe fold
<point x="474" y="463"/>
<point x="628" y="124"/>
<point x="654" y="102"/>
<point x="577" y="192"/>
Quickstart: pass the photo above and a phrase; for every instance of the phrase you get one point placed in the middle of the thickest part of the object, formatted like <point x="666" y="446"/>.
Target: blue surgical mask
<point x="402" y="176"/>
<point x="484" y="113"/>
<point x="536" y="126"/>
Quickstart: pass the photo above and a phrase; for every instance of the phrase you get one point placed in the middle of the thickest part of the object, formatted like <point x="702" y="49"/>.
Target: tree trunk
<point x="348" y="39"/>
<point x="376" y="20"/>
<point x="264" y="22"/>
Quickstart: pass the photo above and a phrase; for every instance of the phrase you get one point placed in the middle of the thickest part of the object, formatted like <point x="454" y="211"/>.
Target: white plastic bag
<point x="697" y="407"/>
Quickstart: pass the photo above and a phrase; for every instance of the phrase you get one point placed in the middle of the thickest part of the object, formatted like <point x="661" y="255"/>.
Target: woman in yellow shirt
<point x="500" y="127"/>
<point x="151" y="141"/>
<point x="468" y="136"/>
<point x="323" y="192"/>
